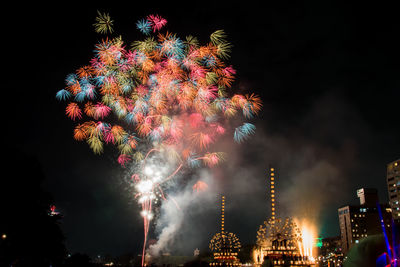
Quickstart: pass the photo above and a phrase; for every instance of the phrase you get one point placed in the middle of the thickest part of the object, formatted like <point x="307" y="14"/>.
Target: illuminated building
<point x="225" y="245"/>
<point x="393" y="184"/>
<point x="280" y="241"/>
<point x="359" y="221"/>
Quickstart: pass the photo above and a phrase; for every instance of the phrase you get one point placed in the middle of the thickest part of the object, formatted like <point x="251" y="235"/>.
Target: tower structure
<point x="272" y="192"/>
<point x="279" y="241"/>
<point x="225" y="245"/>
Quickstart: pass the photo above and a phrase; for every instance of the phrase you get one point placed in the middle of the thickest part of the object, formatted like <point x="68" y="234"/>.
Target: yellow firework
<point x="103" y="23"/>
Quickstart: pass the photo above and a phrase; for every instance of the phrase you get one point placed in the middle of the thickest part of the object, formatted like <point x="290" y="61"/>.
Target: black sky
<point x="328" y="75"/>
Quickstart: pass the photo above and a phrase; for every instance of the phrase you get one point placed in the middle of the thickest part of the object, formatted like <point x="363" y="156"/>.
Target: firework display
<point x="162" y="101"/>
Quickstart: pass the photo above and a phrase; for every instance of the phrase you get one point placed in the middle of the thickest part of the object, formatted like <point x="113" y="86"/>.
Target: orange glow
<point x="309" y="234"/>
<point x="258" y="256"/>
<point x="200" y="186"/>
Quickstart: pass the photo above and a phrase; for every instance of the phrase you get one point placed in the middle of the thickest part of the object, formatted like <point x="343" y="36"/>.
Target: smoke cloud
<point x="176" y="228"/>
<point x="313" y="170"/>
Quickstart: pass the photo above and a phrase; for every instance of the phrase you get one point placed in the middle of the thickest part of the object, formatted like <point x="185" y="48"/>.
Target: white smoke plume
<point x="176" y="217"/>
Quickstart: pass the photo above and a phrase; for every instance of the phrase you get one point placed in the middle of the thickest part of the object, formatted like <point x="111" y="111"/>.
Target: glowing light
<point x="148" y="171"/>
<point x="319" y="243"/>
<point x="308" y="233"/>
<point x="145" y="186"/>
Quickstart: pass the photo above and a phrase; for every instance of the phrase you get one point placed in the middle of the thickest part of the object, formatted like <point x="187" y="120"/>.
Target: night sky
<point x="328" y="75"/>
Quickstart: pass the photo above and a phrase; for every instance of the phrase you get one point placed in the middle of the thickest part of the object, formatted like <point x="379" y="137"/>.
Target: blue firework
<point x="193" y="162"/>
<point x="80" y="97"/>
<point x="63" y="95"/>
<point x="71" y="79"/>
<point x="173" y="47"/>
<point x="209" y="61"/>
<point x="144" y="26"/>
<point x="243" y="132"/>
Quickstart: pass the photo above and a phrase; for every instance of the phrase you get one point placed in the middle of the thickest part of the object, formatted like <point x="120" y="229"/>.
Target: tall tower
<point x="222" y="214"/>
<point x="279" y="240"/>
<point x="225" y="245"/>
<point x="272" y="193"/>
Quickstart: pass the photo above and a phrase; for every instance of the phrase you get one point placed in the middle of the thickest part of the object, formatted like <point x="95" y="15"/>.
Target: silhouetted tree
<point x="29" y="235"/>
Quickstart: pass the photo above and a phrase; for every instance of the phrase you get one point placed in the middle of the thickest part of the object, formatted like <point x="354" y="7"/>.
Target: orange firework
<point x="200" y="186"/>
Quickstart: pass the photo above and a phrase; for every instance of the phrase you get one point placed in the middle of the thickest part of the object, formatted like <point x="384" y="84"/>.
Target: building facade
<point x="393" y="185"/>
<point x="359" y="221"/>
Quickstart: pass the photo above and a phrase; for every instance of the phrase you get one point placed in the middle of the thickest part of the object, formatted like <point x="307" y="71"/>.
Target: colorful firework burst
<point x="166" y="97"/>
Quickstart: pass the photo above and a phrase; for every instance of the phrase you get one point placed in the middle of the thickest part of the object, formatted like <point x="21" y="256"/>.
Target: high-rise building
<point x="393" y="184"/>
<point x="359" y="221"/>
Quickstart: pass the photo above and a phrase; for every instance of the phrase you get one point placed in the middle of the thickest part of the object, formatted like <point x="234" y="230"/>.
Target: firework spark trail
<point x="171" y="99"/>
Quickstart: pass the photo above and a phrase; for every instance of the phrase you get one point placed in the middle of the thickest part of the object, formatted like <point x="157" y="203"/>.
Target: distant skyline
<point x="328" y="75"/>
